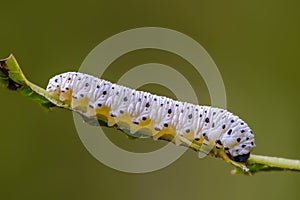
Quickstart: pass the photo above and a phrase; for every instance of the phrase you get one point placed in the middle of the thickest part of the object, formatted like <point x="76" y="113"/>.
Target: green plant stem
<point x="276" y="162"/>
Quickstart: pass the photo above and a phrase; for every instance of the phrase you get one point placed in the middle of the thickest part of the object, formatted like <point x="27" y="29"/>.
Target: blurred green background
<point x="254" y="43"/>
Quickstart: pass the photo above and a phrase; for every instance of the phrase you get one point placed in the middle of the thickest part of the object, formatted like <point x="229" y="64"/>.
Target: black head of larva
<point x="238" y="156"/>
<point x="241" y="158"/>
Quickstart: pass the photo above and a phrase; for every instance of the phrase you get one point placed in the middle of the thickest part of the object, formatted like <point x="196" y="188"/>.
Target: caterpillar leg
<point x="224" y="156"/>
<point x="160" y="132"/>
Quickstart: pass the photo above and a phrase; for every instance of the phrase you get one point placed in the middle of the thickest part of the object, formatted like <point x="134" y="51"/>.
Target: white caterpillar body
<point x="161" y="115"/>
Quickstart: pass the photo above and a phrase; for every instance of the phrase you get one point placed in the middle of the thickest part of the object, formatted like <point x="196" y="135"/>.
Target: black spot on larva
<point x="187" y="130"/>
<point x="168" y="102"/>
<point x="86" y="85"/>
<point x="166" y="125"/>
<point x="242" y="123"/>
<point x="219" y="142"/>
<point x="136" y="122"/>
<point x="176" y="105"/>
<point x="56" y="80"/>
<point x="242" y="131"/>
<point x="200" y="115"/>
<point x="74" y="97"/>
<point x="144" y="118"/>
<point x="81" y="95"/>
<point x="206" y="138"/>
<point x="181" y="111"/>
<point x="79" y="79"/>
<point x="157" y="129"/>
<point x="161" y="105"/>
<point x="112" y="115"/>
<point x="170" y="111"/>
<point x="147" y="105"/>
<point x="113" y="88"/>
<point x="190" y="116"/>
<point x="232" y="121"/>
<point x="155" y="99"/>
<point x="214" y="113"/>
<point x="91" y="106"/>
<point x="252" y="143"/>
<point x="98" y="86"/>
<point x="229" y="132"/>
<point x="197" y="139"/>
<point x="67" y="88"/>
<point x="205" y="111"/>
<point x="125" y="99"/>
<point x="139" y="100"/>
<point x="243" y="146"/>
<point x="204" y="134"/>
<point x="99" y="104"/>
<point x="213" y="125"/>
<point x="224" y="126"/>
<point x="49" y="87"/>
<point x="207" y="120"/>
<point x="222" y="111"/>
<point x="69" y="79"/>
<point x="104" y="93"/>
<point x="57" y="86"/>
<point x="247" y="138"/>
<point x="251" y="132"/>
<point x="121" y="111"/>
<point x="197" y="109"/>
<point x="145" y="97"/>
<point x="62" y="91"/>
<point x="218" y="147"/>
<point x="238" y="139"/>
<point x="226" y="148"/>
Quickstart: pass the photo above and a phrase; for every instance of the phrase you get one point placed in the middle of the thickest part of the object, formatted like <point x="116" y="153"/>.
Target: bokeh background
<point x="255" y="45"/>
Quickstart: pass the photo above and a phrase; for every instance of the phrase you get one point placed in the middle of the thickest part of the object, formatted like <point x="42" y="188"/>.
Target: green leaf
<point x="13" y="78"/>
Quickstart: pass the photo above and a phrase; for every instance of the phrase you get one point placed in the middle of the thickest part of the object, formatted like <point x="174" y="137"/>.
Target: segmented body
<point x="161" y="115"/>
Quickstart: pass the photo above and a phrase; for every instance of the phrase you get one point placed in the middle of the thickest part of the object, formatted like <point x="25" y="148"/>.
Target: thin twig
<point x="276" y="162"/>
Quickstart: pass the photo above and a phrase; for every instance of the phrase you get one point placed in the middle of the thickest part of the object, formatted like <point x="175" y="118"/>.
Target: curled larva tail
<point x="153" y="115"/>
